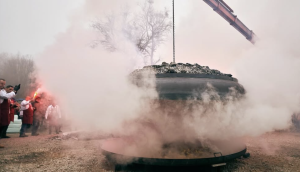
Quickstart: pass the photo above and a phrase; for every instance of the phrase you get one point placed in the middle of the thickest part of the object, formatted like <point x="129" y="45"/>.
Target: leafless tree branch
<point x="148" y="29"/>
<point x="18" y="69"/>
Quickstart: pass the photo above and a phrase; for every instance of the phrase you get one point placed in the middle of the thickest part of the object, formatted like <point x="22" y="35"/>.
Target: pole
<point x="173" y="32"/>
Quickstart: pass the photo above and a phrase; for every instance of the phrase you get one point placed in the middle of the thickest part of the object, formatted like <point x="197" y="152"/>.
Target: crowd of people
<point x="33" y="112"/>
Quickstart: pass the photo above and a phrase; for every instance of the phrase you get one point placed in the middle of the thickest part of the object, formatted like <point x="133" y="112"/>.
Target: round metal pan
<point x="114" y="150"/>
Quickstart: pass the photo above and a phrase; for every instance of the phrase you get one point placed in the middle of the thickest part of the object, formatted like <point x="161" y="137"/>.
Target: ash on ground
<point x="276" y="151"/>
<point x="181" y="68"/>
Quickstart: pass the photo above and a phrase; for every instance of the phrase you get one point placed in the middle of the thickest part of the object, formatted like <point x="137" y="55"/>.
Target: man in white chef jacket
<point x="53" y="115"/>
<point x="5" y="96"/>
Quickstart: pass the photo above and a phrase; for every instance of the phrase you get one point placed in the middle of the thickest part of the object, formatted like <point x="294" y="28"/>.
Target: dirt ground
<point x="277" y="151"/>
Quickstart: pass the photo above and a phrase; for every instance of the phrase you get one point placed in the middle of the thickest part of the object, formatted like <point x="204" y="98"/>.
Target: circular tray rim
<point x="125" y="159"/>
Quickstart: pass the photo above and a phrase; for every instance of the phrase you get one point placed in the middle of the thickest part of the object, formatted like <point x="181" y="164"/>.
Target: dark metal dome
<point x="179" y="82"/>
<point x="184" y="86"/>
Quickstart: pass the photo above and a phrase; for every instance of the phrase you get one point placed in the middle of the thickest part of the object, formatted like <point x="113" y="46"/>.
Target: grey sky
<point x="202" y="36"/>
<point x="27" y="26"/>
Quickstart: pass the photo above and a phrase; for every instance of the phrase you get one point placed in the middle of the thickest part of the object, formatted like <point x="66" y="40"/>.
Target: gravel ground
<point x="50" y="153"/>
<point x="277" y="151"/>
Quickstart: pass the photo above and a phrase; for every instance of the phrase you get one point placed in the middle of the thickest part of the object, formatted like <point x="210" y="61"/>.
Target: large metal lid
<point x="184" y="86"/>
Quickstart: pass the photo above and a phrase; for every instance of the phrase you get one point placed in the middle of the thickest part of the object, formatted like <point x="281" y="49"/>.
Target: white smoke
<point x="92" y="84"/>
<point x="268" y="70"/>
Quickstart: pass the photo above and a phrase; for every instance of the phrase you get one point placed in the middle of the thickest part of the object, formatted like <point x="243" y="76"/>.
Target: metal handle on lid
<point x="217" y="154"/>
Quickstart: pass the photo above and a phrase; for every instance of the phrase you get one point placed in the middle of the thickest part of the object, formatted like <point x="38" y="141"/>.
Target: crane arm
<point x="227" y="13"/>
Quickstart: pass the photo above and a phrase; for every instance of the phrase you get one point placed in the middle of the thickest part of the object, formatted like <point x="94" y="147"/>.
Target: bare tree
<point x="106" y="29"/>
<point x="18" y="69"/>
<point x="147" y="29"/>
<point x="154" y="27"/>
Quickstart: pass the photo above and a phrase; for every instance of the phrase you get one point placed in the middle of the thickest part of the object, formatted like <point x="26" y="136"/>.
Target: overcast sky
<point x="27" y="26"/>
<point x="202" y="36"/>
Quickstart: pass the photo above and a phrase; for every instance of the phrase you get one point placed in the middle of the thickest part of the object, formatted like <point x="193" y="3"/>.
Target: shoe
<point x="5" y="137"/>
<point x="35" y="134"/>
<point x="23" y="135"/>
<point x="1" y="146"/>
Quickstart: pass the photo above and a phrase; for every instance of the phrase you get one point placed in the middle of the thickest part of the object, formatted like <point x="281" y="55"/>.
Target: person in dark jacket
<point x="37" y="115"/>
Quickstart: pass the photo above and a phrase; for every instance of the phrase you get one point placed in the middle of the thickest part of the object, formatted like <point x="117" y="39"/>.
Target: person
<point x="3" y="97"/>
<point x="296" y="120"/>
<point x="26" y="112"/>
<point x="5" y="111"/>
<point x="37" y="115"/>
<point x="53" y="115"/>
<point x="11" y="117"/>
<point x="14" y="106"/>
<point x="2" y="85"/>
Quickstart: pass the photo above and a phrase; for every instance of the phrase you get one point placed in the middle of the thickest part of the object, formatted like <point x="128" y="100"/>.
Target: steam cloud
<point x="93" y="86"/>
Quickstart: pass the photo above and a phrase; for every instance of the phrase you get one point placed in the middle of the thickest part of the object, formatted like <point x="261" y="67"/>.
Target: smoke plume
<point x="93" y="87"/>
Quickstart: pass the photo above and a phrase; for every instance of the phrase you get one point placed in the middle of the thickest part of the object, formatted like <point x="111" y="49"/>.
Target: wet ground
<point x="277" y="151"/>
